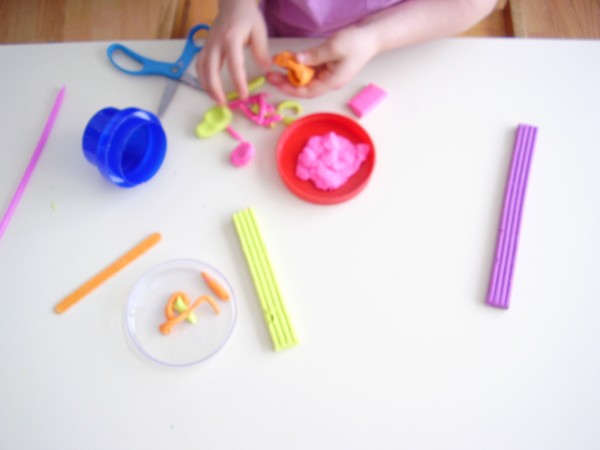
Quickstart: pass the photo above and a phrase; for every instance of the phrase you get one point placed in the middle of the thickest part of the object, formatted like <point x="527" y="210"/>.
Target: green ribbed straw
<point x="276" y="316"/>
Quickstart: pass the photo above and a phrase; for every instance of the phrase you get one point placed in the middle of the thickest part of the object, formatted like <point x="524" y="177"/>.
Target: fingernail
<point x="301" y="58"/>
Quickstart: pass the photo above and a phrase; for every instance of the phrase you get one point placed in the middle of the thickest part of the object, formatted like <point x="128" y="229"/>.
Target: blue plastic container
<point x="128" y="146"/>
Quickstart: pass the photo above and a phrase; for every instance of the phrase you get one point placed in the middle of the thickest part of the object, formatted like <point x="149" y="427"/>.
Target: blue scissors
<point x="175" y="72"/>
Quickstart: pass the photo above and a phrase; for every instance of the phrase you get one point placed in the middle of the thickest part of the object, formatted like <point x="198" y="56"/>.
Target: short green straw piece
<point x="276" y="316"/>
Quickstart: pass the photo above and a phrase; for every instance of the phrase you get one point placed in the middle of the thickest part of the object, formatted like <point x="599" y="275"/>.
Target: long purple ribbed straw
<point x="12" y="206"/>
<point x="510" y="223"/>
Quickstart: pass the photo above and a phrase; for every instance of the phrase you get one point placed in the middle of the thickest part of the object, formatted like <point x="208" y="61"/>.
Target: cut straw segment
<point x="510" y="223"/>
<point x="105" y="274"/>
<point x="275" y="314"/>
<point x="12" y="206"/>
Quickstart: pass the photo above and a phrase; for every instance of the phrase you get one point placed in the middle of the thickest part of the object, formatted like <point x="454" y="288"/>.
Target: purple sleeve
<point x="317" y="18"/>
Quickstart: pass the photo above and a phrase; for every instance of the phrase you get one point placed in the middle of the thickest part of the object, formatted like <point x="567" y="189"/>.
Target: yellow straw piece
<point x="181" y="306"/>
<point x="252" y="86"/>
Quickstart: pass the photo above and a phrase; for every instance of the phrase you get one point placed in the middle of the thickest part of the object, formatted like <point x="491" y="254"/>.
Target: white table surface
<point x="386" y="292"/>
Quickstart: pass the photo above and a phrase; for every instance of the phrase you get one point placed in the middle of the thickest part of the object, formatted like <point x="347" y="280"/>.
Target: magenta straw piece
<point x="12" y="206"/>
<point x="512" y="210"/>
<point x="234" y="134"/>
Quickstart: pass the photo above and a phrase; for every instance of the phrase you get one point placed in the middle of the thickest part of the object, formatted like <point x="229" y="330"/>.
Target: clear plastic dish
<point x="187" y="344"/>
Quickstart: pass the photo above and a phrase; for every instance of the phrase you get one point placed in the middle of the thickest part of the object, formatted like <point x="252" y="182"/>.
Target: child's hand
<point x="336" y="61"/>
<point x="239" y="24"/>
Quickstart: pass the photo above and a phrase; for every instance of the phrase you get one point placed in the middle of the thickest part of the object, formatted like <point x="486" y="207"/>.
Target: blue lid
<point x="128" y="146"/>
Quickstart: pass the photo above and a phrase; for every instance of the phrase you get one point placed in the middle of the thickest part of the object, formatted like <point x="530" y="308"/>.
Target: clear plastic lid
<point x="187" y="344"/>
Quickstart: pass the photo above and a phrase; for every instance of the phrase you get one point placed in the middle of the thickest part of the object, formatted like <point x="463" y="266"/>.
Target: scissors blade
<point x="167" y="96"/>
<point x="191" y="81"/>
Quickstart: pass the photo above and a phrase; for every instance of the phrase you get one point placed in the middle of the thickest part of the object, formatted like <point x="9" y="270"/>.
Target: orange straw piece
<point x="215" y="286"/>
<point x="298" y="74"/>
<point x="170" y="308"/>
<point x="167" y="327"/>
<point x="105" y="274"/>
<point x="211" y="301"/>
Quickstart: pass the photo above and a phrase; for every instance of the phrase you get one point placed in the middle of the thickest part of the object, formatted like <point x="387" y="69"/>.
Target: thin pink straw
<point x="12" y="206"/>
<point x="235" y="134"/>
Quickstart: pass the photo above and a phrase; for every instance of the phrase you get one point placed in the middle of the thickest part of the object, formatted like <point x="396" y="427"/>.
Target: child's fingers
<point x="315" y="56"/>
<point x="260" y="47"/>
<point x="281" y="82"/>
<point x="315" y="88"/>
<point x="208" y="69"/>
<point x="235" y="62"/>
<point x="277" y="79"/>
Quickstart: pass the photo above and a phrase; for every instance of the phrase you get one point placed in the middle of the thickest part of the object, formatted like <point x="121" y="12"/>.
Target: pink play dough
<point x="329" y="160"/>
<point x="242" y="154"/>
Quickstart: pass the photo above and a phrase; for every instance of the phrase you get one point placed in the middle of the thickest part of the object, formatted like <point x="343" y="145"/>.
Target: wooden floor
<point x="24" y="21"/>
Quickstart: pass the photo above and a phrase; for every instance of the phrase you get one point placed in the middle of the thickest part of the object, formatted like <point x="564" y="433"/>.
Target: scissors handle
<point x="149" y="66"/>
<point x="191" y="48"/>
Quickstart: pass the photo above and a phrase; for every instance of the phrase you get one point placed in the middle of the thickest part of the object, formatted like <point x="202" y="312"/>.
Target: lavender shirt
<point x="317" y="18"/>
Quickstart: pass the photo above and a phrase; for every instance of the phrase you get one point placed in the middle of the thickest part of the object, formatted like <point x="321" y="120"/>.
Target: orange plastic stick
<point x="105" y="274"/>
<point x="166" y="327"/>
<point x="215" y="286"/>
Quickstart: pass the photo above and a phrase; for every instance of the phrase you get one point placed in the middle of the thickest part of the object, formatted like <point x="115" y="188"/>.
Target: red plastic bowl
<point x="295" y="137"/>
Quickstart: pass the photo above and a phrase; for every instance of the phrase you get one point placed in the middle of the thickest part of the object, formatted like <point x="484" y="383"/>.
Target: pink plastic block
<point x="367" y="99"/>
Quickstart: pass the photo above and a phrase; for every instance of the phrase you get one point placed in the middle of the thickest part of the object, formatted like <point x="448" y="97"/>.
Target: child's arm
<point x="341" y="56"/>
<point x="239" y="24"/>
<point x="415" y="21"/>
